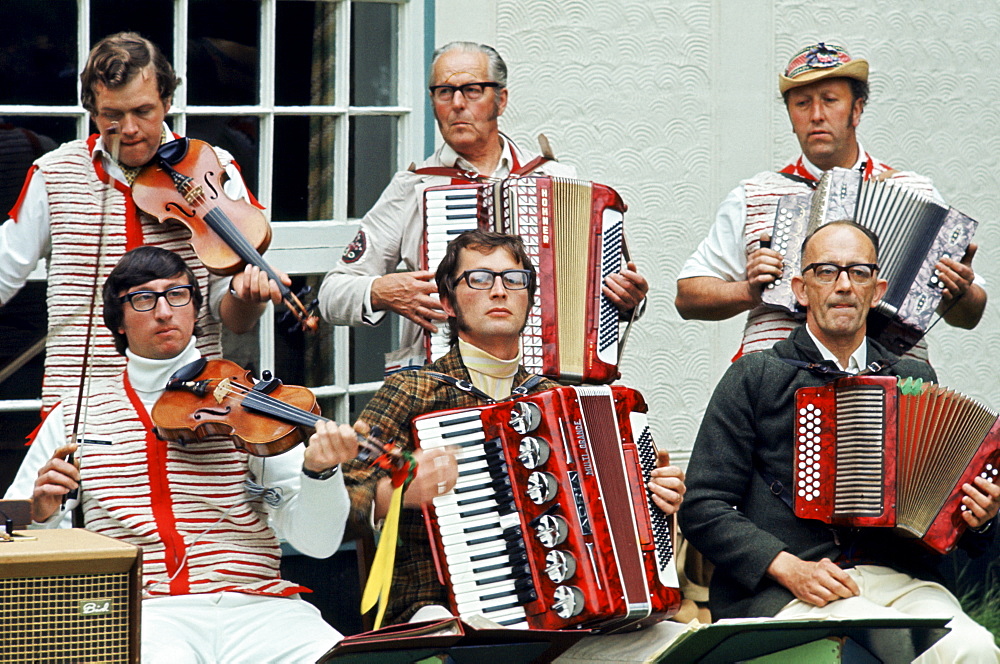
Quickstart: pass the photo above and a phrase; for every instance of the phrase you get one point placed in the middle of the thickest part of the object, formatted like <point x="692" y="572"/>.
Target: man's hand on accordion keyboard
<point x="763" y="266"/>
<point x="816" y="583"/>
<point x="626" y="289"/>
<point x="982" y="502"/>
<point x="409" y="294"/>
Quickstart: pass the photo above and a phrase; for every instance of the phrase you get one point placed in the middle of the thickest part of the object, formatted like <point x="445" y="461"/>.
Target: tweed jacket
<point x="729" y="512"/>
<point x="402" y="397"/>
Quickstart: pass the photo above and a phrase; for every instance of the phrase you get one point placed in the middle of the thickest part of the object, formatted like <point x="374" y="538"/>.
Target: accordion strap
<point x="451" y="172"/>
<point x="467" y="386"/>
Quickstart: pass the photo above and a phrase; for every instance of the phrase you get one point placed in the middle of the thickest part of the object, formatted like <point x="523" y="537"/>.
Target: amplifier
<point x="69" y="595"/>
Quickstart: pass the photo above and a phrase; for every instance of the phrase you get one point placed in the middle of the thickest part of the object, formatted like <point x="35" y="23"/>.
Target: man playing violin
<point x="468" y="92"/>
<point x="206" y="515"/>
<point x="76" y="210"/>
<point x="487" y="285"/>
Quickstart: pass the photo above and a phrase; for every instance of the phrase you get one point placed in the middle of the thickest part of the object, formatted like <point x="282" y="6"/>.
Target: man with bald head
<point x="738" y="509"/>
<point x="468" y="91"/>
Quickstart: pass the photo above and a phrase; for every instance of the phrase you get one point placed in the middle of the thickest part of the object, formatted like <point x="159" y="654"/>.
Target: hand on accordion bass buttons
<point x="437" y="472"/>
<point x="409" y="294"/>
<point x="982" y="502"/>
<point x="763" y="266"/>
<point x="666" y="484"/>
<point x="626" y="289"/>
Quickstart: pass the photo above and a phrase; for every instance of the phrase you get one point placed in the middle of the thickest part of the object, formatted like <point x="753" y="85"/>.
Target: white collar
<point x="817" y="172"/>
<point x="451" y="158"/>
<point x="857" y="361"/>
<point x="148" y="377"/>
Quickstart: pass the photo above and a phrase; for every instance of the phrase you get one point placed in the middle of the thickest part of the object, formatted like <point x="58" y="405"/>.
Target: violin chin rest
<point x="189" y="371"/>
<point x="174" y="151"/>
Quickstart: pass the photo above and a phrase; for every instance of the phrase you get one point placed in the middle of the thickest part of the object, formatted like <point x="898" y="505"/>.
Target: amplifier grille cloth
<point x="47" y="622"/>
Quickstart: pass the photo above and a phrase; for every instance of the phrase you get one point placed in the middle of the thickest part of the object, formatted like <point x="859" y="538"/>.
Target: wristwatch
<point x="323" y="475"/>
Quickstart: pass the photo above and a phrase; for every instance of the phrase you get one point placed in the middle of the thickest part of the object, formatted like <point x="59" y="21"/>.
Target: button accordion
<point x="550" y="525"/>
<point x="573" y="232"/>
<point x="914" y="233"/>
<point x="877" y="451"/>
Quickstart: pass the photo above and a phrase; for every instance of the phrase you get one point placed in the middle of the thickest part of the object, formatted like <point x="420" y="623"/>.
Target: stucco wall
<point x="672" y="102"/>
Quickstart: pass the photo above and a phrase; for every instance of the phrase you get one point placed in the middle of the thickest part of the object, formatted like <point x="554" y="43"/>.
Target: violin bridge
<point x="221" y="390"/>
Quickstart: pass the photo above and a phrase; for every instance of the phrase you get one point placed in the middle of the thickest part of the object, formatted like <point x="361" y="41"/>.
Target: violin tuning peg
<point x="266" y="375"/>
<point x="305" y="291"/>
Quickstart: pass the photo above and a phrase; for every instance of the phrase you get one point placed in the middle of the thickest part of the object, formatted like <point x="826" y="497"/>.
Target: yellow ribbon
<point x="380" y="576"/>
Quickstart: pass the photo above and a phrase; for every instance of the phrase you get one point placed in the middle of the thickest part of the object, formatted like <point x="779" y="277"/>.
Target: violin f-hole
<point x="206" y="178"/>
<point x="216" y="412"/>
<point x="180" y="210"/>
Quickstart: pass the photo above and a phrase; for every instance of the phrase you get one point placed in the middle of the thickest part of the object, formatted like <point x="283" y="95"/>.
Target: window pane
<point x="300" y="358"/>
<point x="372" y="161"/>
<point x="368" y="348"/>
<point x="223" y="52"/>
<point x="306" y="53"/>
<point x="38" y="58"/>
<point x="154" y="21"/>
<point x="238" y="134"/>
<point x="373" y="54"/>
<point x="303" y="168"/>
<point x="22" y="140"/>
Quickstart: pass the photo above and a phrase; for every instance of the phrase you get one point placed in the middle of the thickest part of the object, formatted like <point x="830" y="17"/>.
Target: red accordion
<point x="573" y="232"/>
<point x="550" y="525"/>
<point x="880" y="451"/>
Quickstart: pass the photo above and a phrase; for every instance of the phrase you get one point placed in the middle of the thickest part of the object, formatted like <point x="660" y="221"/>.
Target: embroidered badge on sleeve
<point x="356" y="249"/>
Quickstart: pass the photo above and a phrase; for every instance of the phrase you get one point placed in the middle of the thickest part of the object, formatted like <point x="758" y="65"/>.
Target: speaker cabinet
<point x="69" y="595"/>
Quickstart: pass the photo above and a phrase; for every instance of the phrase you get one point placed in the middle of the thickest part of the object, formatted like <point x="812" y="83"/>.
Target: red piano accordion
<point x="550" y="525"/>
<point x="573" y="232"/>
<point x="886" y="452"/>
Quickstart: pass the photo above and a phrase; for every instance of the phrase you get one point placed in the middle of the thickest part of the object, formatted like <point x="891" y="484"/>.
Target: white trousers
<point x="233" y="628"/>
<point x="886" y="593"/>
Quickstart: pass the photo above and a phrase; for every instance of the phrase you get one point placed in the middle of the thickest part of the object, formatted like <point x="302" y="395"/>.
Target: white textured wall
<point x="672" y="102"/>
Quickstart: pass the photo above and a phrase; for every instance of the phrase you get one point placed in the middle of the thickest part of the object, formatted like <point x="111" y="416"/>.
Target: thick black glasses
<point x="483" y="279"/>
<point x="471" y="91"/>
<point x="827" y="273"/>
<point x="145" y="300"/>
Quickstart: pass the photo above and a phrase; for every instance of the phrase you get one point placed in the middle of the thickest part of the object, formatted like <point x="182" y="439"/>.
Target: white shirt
<point x="857" y="361"/>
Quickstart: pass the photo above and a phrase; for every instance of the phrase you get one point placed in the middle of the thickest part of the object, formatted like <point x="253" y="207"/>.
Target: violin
<point x="264" y="418"/>
<point x="184" y="183"/>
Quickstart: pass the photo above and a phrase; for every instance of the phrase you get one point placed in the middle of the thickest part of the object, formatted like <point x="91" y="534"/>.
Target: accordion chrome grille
<point x="860" y="463"/>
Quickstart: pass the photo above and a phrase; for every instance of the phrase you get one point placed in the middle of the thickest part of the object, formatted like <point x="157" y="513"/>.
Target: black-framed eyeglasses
<point x="471" y="91"/>
<point x="827" y="273"/>
<point x="483" y="279"/>
<point x="145" y="300"/>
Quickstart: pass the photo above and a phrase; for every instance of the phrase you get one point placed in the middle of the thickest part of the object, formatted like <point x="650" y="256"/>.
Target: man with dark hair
<point x="738" y="507"/>
<point x="206" y="515"/>
<point x="825" y="91"/>
<point x="76" y="210"/>
<point x="487" y="288"/>
<point x="468" y="91"/>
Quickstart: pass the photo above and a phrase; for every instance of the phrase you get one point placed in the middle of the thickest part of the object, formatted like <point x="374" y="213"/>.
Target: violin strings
<point x="288" y="412"/>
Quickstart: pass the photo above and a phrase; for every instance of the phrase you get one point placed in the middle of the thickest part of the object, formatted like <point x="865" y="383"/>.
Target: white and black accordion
<point x="914" y="233"/>
<point x="573" y="232"/>
<point x="878" y="451"/>
<point x="550" y="525"/>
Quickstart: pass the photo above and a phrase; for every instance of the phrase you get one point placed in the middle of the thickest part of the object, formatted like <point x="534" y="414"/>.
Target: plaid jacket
<point x="404" y="396"/>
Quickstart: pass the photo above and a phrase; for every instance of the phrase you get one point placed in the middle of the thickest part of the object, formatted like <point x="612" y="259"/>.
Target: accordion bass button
<point x="541" y="487"/>
<point x="568" y="601"/>
<point x="533" y="452"/>
<point x="525" y="417"/>
<point x="551" y="530"/>
<point x="559" y="566"/>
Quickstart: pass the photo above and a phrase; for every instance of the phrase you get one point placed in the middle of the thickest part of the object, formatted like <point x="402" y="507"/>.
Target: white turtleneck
<point x="148" y="377"/>
<point x="490" y="374"/>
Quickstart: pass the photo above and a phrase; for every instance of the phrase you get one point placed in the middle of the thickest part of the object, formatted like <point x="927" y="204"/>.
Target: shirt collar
<point x="451" y="158"/>
<point x="857" y="361"/>
<point x="111" y="167"/>
<point x="816" y="172"/>
<point x="148" y="377"/>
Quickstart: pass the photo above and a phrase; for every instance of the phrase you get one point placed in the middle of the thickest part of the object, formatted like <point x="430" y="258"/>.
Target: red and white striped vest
<point x="766" y="326"/>
<point x="172" y="500"/>
<point x="80" y="204"/>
